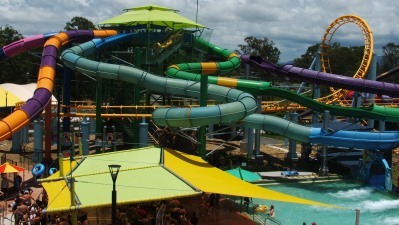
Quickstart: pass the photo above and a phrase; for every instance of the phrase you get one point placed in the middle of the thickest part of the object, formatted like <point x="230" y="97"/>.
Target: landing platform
<point x="303" y="176"/>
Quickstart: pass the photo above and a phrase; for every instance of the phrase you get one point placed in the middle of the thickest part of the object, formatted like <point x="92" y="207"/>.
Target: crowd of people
<point x="159" y="213"/>
<point x="28" y="210"/>
<point x="209" y="203"/>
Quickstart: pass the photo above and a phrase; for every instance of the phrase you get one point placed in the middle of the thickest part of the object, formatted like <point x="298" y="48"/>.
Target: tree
<point x="390" y="61"/>
<point x="306" y="59"/>
<point x="261" y="47"/>
<point x="8" y="35"/>
<point x="391" y="56"/>
<point x="343" y="60"/>
<point x="16" y="69"/>
<point x="79" y="23"/>
<point x="80" y="80"/>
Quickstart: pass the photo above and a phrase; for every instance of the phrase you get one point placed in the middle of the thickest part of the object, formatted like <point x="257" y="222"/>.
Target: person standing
<point x="204" y="205"/>
<point x="4" y="184"/>
<point x="272" y="213"/>
<point x="194" y="219"/>
<point x="247" y="201"/>
<point x="17" y="182"/>
<point x="160" y="213"/>
<point x="211" y="203"/>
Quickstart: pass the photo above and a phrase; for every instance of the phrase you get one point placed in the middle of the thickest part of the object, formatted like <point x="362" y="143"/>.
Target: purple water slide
<point x="24" y="45"/>
<point x="338" y="81"/>
<point x="42" y="96"/>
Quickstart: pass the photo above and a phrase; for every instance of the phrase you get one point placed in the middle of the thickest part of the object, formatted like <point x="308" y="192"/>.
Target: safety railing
<point x="265" y="221"/>
<point x="271" y="221"/>
<point x="256" y="212"/>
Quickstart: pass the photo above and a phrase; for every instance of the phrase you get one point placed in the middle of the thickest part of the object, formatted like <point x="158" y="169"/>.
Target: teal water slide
<point x="236" y="105"/>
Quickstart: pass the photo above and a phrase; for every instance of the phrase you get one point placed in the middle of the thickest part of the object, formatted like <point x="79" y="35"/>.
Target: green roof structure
<point x="152" y="15"/>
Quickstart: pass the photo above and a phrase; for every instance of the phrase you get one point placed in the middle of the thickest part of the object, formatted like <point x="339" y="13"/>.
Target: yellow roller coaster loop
<point x="337" y="95"/>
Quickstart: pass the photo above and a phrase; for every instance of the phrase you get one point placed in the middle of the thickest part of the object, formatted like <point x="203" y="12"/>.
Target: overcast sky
<point x="293" y="25"/>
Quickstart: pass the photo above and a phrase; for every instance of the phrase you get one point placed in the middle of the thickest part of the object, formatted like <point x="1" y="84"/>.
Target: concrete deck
<point x="303" y="176"/>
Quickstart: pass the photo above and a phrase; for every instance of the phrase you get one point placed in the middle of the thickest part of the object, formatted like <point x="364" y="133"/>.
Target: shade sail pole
<point x="74" y="214"/>
<point x="182" y="179"/>
<point x="239" y="170"/>
<point x="162" y="157"/>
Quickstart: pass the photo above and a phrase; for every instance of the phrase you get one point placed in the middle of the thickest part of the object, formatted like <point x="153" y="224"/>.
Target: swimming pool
<point x="376" y="207"/>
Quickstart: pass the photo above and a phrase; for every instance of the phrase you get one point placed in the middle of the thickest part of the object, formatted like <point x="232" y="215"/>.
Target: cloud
<point x="292" y="25"/>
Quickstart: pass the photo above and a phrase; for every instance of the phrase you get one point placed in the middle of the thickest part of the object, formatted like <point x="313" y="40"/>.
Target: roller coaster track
<point x="337" y="95"/>
<point x="278" y="106"/>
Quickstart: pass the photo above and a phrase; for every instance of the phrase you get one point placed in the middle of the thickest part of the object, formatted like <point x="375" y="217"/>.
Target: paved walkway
<point x="277" y="174"/>
<point x="227" y="213"/>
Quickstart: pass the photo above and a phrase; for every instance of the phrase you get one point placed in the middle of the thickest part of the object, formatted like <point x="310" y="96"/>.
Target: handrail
<point x="257" y="218"/>
<point x="272" y="221"/>
<point x="267" y="221"/>
<point x="153" y="138"/>
<point x="260" y="219"/>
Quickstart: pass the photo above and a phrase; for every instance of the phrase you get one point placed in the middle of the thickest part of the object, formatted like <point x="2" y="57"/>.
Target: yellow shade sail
<point x="59" y="195"/>
<point x="211" y="179"/>
<point x="148" y="174"/>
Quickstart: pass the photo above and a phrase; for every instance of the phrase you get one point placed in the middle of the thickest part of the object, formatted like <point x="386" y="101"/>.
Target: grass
<point x="273" y="135"/>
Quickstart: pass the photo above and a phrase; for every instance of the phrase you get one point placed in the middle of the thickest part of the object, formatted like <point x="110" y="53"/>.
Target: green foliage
<point x="306" y="59"/>
<point x="9" y="35"/>
<point x="269" y="134"/>
<point x="343" y="60"/>
<point x="390" y="61"/>
<point x="261" y="47"/>
<point x="391" y="56"/>
<point x="16" y="69"/>
<point x="82" y="87"/>
<point x="79" y="23"/>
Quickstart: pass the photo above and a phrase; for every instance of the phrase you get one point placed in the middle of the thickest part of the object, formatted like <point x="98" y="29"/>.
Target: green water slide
<point x="371" y="112"/>
<point x="194" y="71"/>
<point x="237" y="106"/>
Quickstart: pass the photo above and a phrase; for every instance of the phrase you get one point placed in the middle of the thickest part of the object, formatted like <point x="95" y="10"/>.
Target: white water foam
<point x="391" y="221"/>
<point x="379" y="206"/>
<point x="353" y="193"/>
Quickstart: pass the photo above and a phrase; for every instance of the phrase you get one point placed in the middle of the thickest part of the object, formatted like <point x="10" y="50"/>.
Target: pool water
<point x="376" y="207"/>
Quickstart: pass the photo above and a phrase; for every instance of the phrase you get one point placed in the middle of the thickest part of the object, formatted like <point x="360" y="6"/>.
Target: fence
<point x="260" y="217"/>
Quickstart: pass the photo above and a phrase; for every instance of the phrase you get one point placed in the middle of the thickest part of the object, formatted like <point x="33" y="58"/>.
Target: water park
<point x="163" y="94"/>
